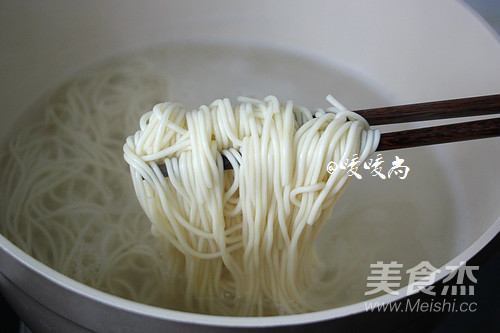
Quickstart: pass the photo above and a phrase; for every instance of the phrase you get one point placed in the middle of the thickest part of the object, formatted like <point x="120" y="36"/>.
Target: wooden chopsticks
<point x="463" y="107"/>
<point x="471" y="130"/>
<point x="454" y="108"/>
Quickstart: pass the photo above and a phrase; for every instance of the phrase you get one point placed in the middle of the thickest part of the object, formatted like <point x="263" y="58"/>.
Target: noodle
<point x="66" y="198"/>
<point x="244" y="238"/>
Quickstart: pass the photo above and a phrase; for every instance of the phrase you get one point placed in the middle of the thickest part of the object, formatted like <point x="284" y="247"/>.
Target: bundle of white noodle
<point x="244" y="238"/>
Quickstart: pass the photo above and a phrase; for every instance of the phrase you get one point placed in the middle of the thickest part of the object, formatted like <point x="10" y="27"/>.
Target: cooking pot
<point x="390" y="52"/>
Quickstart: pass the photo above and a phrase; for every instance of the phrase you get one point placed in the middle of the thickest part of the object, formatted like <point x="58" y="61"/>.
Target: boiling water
<point x="90" y="227"/>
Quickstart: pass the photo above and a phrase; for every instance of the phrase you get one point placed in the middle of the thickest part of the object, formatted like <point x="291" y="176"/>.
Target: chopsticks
<point x="453" y="108"/>
<point x="462" y="107"/>
<point x="472" y="130"/>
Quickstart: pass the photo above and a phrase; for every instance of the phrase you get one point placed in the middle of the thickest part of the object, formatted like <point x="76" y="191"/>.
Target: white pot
<point x="398" y="52"/>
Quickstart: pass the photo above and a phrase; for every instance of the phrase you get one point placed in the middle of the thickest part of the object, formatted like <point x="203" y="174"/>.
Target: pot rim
<point x="137" y="308"/>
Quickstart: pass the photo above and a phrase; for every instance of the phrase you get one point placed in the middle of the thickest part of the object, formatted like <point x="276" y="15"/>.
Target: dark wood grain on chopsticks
<point x="472" y="130"/>
<point x="462" y="107"/>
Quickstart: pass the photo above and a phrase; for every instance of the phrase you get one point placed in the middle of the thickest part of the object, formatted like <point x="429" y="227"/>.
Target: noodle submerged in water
<point x="66" y="196"/>
<point x="243" y="239"/>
